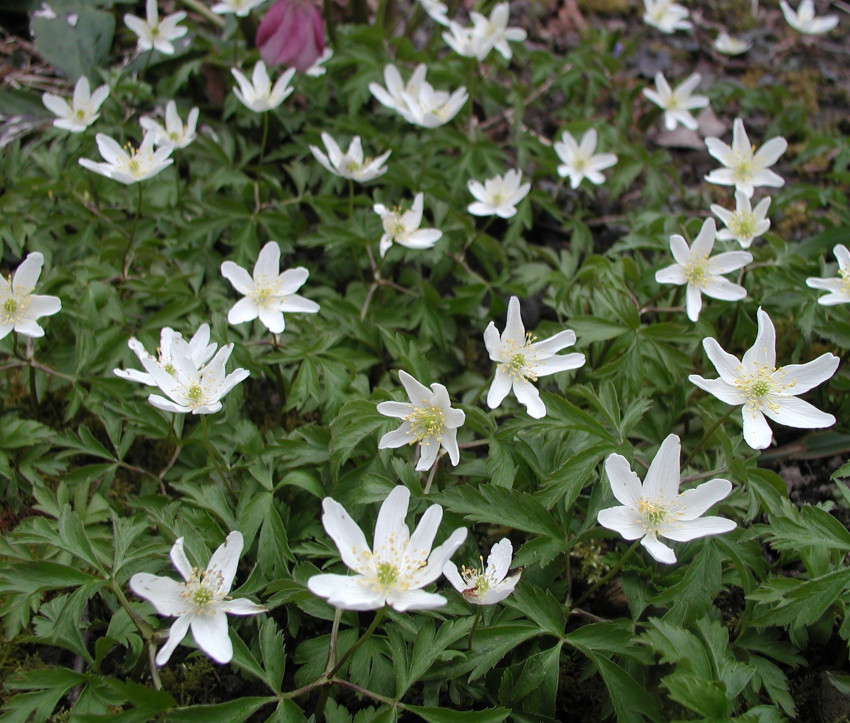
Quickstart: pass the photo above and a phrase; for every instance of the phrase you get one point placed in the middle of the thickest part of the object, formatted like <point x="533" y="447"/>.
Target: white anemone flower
<point x="746" y="223"/>
<point x="129" y="165"/>
<point x="416" y="101"/>
<point x="429" y="421"/>
<point x="744" y="169"/>
<point x="463" y="41"/>
<point x="498" y="196"/>
<point x="486" y="34"/>
<point x="402" y="227"/>
<point x="580" y="160"/>
<point x="486" y="585"/>
<point x="397" y="567"/>
<point x="268" y="293"/>
<point x="677" y="104"/>
<point x="728" y="45"/>
<point x="696" y="267"/>
<point x="522" y="360"/>
<point x="666" y="16"/>
<point x="764" y="389"/>
<point x="240" y="8"/>
<point x="805" y="21"/>
<point x="174" y="132"/>
<point x="19" y="307"/>
<point x="393" y="95"/>
<point x="436" y="10"/>
<point x="199" y="603"/>
<point x="83" y="109"/>
<point x="350" y="164"/>
<point x="156" y="34"/>
<point x="655" y="508"/>
<point x="838" y="287"/>
<point x="200" y="349"/>
<point x="258" y="94"/>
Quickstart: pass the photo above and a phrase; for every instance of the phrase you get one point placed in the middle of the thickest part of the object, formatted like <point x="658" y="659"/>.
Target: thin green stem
<point x="379" y="616"/>
<point x="202" y="9"/>
<point x="705" y="437"/>
<point x="214" y="455"/>
<point x="141" y="624"/>
<point x="157" y="683"/>
<point x="139" y="80"/>
<point x="613" y="571"/>
<point x="350" y="201"/>
<point x="474" y="627"/>
<point x="432" y="473"/>
<point x="126" y="260"/>
<point x="264" y="138"/>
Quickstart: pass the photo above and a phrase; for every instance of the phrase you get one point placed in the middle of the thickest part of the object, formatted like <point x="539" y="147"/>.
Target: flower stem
<point x="139" y="80"/>
<point x="214" y="454"/>
<point x="265" y="136"/>
<point x="202" y="9"/>
<point x="705" y="437"/>
<point x="379" y="616"/>
<point x="613" y="571"/>
<point x="474" y="627"/>
<point x="126" y="260"/>
<point x="350" y="200"/>
<point x="333" y="641"/>
<point x="432" y="474"/>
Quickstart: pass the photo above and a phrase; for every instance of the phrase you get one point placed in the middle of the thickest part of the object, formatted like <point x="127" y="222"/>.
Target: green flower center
<point x="653" y="514"/>
<point x="81" y="114"/>
<point x="743" y="165"/>
<point x="760" y="387"/>
<point x="844" y="274"/>
<point x="517" y="361"/>
<point x="10" y="306"/>
<point x="425" y="423"/>
<point x="195" y="393"/>
<point x="387" y="574"/>
<point x="697" y="272"/>
<point x="743" y="224"/>
<point x="202" y="596"/>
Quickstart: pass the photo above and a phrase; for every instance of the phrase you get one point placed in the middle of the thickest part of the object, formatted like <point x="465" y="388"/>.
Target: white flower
<point x="393" y="96"/>
<point x="745" y="224"/>
<point x="397" y="567"/>
<point x="764" y="389"/>
<point x="154" y="33"/>
<point x="318" y="69"/>
<point x="241" y="8"/>
<point x="493" y="32"/>
<point x="201" y="602"/>
<point x="486" y="586"/>
<point x="580" y="161"/>
<point x="498" y="195"/>
<point x="199" y="347"/>
<point x="129" y="165"/>
<point x="464" y="41"/>
<point x="522" y="360"/>
<point x="804" y="19"/>
<point x="402" y="227"/>
<point x="656" y="508"/>
<point x="429" y="421"/>
<point x="350" y="164"/>
<point x="417" y="101"/>
<point x="258" y="93"/>
<point x="678" y="103"/>
<point x="743" y="168"/>
<point x="83" y="109"/>
<point x="269" y="293"/>
<point x="437" y="11"/>
<point x="19" y="307"/>
<point x="665" y="15"/>
<point x="701" y="272"/>
<point x="726" y="44"/>
<point x="174" y="133"/>
<point x="839" y="287"/>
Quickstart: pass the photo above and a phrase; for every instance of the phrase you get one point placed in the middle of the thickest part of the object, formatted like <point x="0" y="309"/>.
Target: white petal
<point x="693" y="529"/>
<point x="727" y="365"/>
<point x="757" y="431"/>
<point x="719" y="388"/>
<point x="795" y="412"/>
<point x="226" y="559"/>
<point x="242" y="311"/>
<point x="242" y="606"/>
<point x="391" y="533"/>
<point x="178" y="631"/>
<point x="625" y="520"/>
<point x="527" y="394"/>
<point x="661" y="483"/>
<point x="347" y="593"/>
<point x="809" y="375"/>
<point x="763" y="351"/>
<point x="624" y="482"/>
<point x="26" y="275"/>
<point x="179" y="560"/>
<point x="397" y="438"/>
<point x="453" y="576"/>
<point x="500" y="558"/>
<point x="345" y="533"/>
<point x="416" y="392"/>
<point x="210" y="633"/>
<point x="695" y="502"/>
<point x="499" y="389"/>
<point x="414" y="600"/>
<point x="238" y="276"/>
<point x="161" y="592"/>
<point x="658" y="550"/>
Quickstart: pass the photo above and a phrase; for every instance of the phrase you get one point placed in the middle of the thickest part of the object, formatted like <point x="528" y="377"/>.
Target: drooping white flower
<point x="666" y="16"/>
<point x="174" y="132"/>
<point x="696" y="267"/>
<point x="436" y="10"/>
<point x="462" y="40"/>
<point x="765" y="389"/>
<point x="429" y="421"/>
<point x="318" y="69"/>
<point x="129" y="165"/>
<point x="580" y="161"/>
<point x="19" y="307"/>
<point x="200" y="349"/>
<point x="154" y="33"/>
<point x="416" y="101"/>
<point x="744" y="169"/>
<point x="258" y="94"/>
<point x="493" y="32"/>
<point x="240" y="8"/>
<point x="397" y="567"/>
<point x="745" y="224"/>
<point x="677" y="104"/>
<point x="83" y="109"/>
<point x="522" y="360"/>
<point x="805" y="21"/>
<point x="486" y="585"/>
<point x="199" y="603"/>
<point x="393" y="95"/>
<point x="350" y="164"/>
<point x="402" y="227"/>
<point x="498" y="196"/>
<point x="728" y="45"/>
<point x="839" y="286"/>
<point x="655" y="508"/>
<point x="269" y="293"/>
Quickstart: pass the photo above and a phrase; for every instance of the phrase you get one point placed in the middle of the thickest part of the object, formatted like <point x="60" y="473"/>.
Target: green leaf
<point x="272" y="653"/>
<point x="78" y="49"/>
<point x="540" y="606"/>
<point x="630" y="699"/>
<point x="233" y="711"/>
<point x="446" y="715"/>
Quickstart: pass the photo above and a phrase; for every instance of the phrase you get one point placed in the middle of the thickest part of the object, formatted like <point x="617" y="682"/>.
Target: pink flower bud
<point x="292" y="33"/>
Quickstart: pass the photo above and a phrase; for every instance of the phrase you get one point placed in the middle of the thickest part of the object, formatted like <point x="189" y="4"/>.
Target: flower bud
<point x="292" y="33"/>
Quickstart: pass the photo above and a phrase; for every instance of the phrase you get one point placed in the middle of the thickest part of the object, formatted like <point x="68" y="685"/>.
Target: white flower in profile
<point x="397" y="567"/>
<point x="498" y="196"/>
<point x="696" y="267"/>
<point x="839" y="286"/>
<point x="416" y="101"/>
<point x="83" y="109"/>
<point x="258" y="94"/>
<point x="666" y="16"/>
<point x="580" y="161"/>
<point x="174" y="133"/>
<point x="199" y="603"/>
<point x="19" y="307"/>
<point x="463" y="40"/>
<point x="728" y="45"/>
<point x="744" y="169"/>
<point x="805" y="21"/>
<point x="268" y="293"/>
<point x="318" y="69"/>
<point x="765" y="389"/>
<point x="486" y="585"/>
<point x="522" y="360"/>
<point x="129" y="165"/>
<point x="677" y="104"/>
<point x="154" y="33"/>
<point x="350" y="164"/>
<point x="393" y="95"/>
<point x="200" y="349"/>
<point x="493" y="32"/>
<point x="745" y="224"/>
<point x="402" y="227"/>
<point x="655" y="508"/>
<point x="240" y="8"/>
<point x="429" y="421"/>
<point x="436" y="10"/>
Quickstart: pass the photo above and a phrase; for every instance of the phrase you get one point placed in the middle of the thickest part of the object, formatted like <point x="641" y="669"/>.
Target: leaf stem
<point x="604" y="580"/>
<point x="705" y="437"/>
<point x="474" y="627"/>
<point x="379" y="616"/>
<point x="126" y="260"/>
